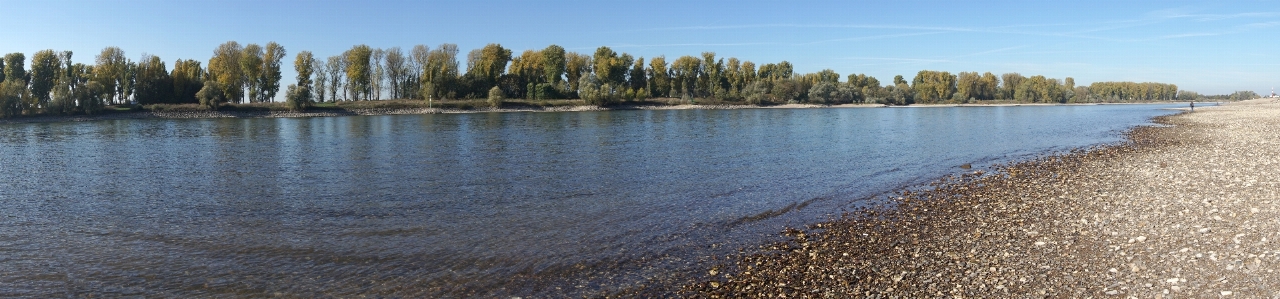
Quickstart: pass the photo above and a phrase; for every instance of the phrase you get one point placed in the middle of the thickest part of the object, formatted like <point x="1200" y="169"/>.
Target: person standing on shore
<point x="1193" y="106"/>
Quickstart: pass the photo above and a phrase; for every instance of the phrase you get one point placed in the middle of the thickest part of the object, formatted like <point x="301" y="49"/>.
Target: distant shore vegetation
<point x="248" y="77"/>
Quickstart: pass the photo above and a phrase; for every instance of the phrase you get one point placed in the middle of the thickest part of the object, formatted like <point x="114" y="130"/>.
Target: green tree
<point x="636" y="79"/>
<point x="45" y="71"/>
<point x="495" y="97"/>
<point x="1011" y="82"/>
<point x="553" y="64"/>
<point x="188" y="78"/>
<point x="529" y="70"/>
<point x="211" y="95"/>
<point x="154" y="85"/>
<point x="294" y="97"/>
<point x="684" y="75"/>
<point x="112" y="71"/>
<point x="299" y="96"/>
<point x="15" y="68"/>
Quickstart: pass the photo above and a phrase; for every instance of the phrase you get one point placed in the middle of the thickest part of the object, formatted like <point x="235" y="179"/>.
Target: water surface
<point x="483" y="204"/>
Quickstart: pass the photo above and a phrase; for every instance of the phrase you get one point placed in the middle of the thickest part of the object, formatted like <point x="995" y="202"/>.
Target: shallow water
<point x="484" y="204"/>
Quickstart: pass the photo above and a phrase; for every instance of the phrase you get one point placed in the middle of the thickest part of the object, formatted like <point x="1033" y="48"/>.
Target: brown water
<point x="487" y="205"/>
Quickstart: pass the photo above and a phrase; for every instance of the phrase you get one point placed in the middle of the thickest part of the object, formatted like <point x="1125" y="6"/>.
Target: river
<point x="466" y="205"/>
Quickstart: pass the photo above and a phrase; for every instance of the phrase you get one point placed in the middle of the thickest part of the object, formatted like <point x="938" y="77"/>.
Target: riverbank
<point x="398" y="108"/>
<point x="1187" y="210"/>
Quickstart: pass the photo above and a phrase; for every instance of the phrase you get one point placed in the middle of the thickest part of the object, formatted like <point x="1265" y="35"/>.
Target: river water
<point x="463" y="205"/>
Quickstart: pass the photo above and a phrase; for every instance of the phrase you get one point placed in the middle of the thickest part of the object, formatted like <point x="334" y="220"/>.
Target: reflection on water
<point x="465" y="204"/>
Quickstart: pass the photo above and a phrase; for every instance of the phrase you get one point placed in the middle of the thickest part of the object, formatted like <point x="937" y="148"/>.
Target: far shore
<point x="274" y="113"/>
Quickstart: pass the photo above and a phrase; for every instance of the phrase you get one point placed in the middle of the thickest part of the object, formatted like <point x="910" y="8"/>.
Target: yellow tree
<point x="269" y="80"/>
<point x="251" y="70"/>
<point x="224" y="68"/>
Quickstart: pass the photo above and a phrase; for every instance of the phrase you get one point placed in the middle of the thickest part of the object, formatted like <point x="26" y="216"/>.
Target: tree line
<point x="252" y="73"/>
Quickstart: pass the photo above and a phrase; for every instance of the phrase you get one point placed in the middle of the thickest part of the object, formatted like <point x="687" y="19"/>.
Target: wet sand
<point x="1187" y="210"/>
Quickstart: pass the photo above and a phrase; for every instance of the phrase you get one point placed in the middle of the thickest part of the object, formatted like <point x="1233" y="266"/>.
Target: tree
<point x="304" y="65"/>
<point x="15" y="68"/>
<point x="297" y="98"/>
<point x="968" y="85"/>
<point x="45" y="70"/>
<point x="377" y="74"/>
<point x="251" y="67"/>
<point x="831" y="93"/>
<point x="336" y="68"/>
<point x="319" y="85"/>
<point x="575" y="65"/>
<point x="684" y="75"/>
<point x="636" y="79"/>
<point x="553" y="64"/>
<point x="224" y="68"/>
<point x="359" y="72"/>
<point x="933" y="86"/>
<point x="396" y="72"/>
<point x="211" y="95"/>
<point x="13" y="94"/>
<point x="659" y="79"/>
<point x="495" y="97"/>
<point x="418" y="61"/>
<point x="1011" y="82"/>
<point x="485" y="67"/>
<point x="188" y="78"/>
<point x="154" y="85"/>
<point x="440" y="72"/>
<point x="113" y="72"/>
<point x="269" y="82"/>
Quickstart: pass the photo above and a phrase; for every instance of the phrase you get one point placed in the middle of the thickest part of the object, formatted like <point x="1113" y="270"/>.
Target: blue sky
<point x="1210" y="47"/>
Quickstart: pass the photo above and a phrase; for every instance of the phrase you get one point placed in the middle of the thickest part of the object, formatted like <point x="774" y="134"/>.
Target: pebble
<point x="962" y="227"/>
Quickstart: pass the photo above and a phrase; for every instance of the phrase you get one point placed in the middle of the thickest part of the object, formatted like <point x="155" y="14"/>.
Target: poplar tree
<point x="112" y="71"/>
<point x="45" y="70"/>
<point x="154" y="85"/>
<point x="395" y="72"/>
<point x="188" y="79"/>
<point x="553" y="64"/>
<point x="659" y="80"/>
<point x="251" y="67"/>
<point x="359" y="72"/>
<point x="269" y="81"/>
<point x="336" y="70"/>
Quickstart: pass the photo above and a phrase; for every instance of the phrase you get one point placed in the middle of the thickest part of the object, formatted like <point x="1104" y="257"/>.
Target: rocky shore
<point x="1185" y="210"/>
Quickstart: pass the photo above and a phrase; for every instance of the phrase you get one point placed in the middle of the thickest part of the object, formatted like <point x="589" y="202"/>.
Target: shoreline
<point x="421" y="111"/>
<point x="1183" y="209"/>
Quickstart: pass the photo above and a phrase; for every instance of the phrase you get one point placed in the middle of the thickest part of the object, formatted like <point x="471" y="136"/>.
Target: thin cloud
<point x="861" y="38"/>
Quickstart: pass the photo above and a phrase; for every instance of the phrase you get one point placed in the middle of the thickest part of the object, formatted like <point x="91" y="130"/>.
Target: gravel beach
<point x="1185" y="210"/>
